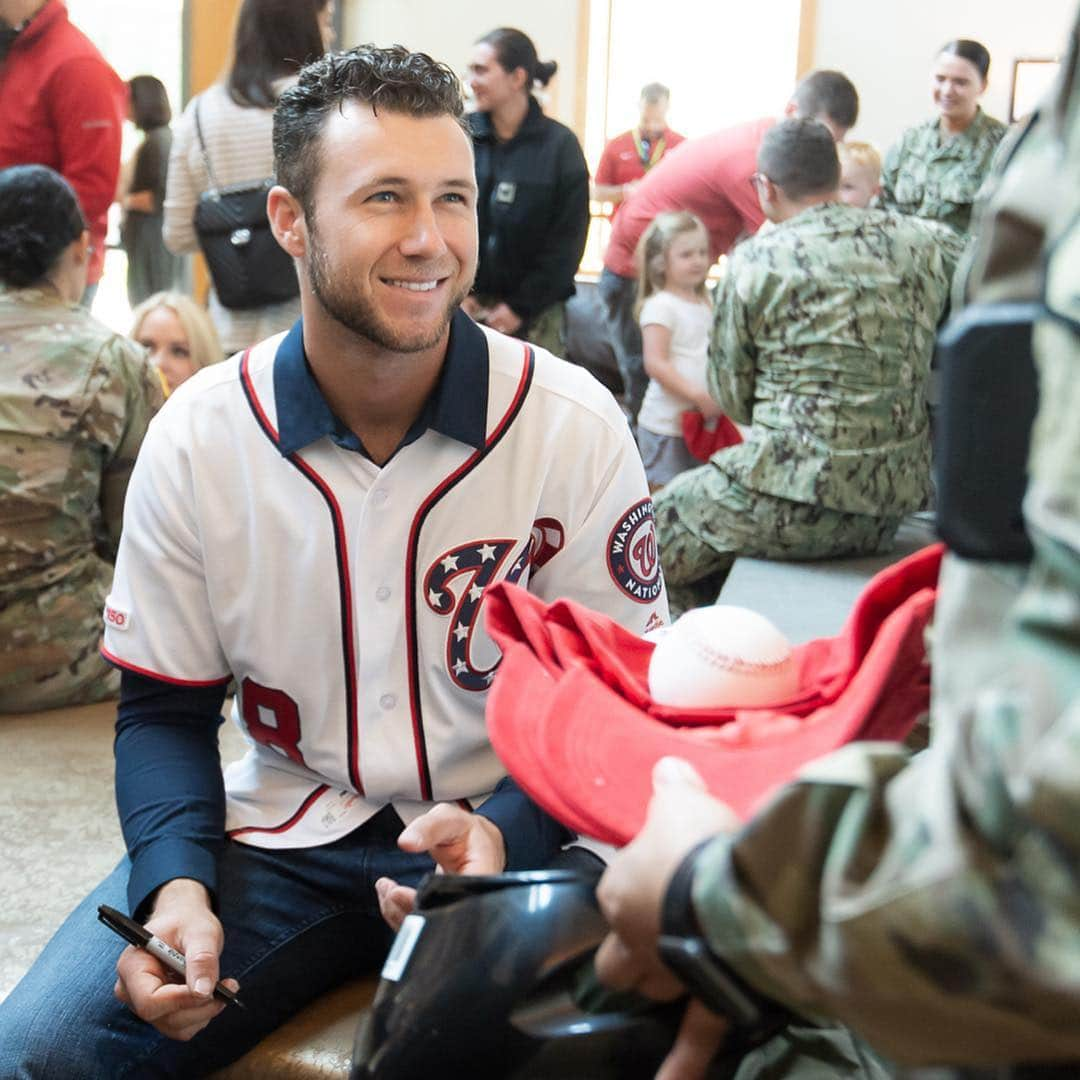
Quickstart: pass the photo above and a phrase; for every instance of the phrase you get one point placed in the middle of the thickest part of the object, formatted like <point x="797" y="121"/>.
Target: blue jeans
<point x="297" y="923"/>
<point x="617" y="296"/>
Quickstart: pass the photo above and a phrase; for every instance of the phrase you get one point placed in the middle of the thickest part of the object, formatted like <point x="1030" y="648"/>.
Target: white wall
<point x="447" y="31"/>
<point x="886" y="47"/>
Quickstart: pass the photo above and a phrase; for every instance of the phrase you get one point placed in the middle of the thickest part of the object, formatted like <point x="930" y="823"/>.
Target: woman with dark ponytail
<point x="937" y="167"/>
<point x="533" y="194"/>
<point x="75" y="400"/>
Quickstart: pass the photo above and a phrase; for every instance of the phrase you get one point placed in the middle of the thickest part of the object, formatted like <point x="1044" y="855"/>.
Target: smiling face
<point x="491" y="84"/>
<point x="392" y="248"/>
<point x="956" y="85"/>
<point x="160" y="332"/>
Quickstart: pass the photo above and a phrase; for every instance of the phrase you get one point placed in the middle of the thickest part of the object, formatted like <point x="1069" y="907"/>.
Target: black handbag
<point x="248" y="267"/>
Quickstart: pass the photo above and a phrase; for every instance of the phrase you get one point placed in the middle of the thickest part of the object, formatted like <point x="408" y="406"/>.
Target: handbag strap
<point x="202" y="148"/>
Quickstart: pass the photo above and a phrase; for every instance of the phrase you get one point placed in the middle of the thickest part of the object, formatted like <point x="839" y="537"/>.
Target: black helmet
<point x="492" y="977"/>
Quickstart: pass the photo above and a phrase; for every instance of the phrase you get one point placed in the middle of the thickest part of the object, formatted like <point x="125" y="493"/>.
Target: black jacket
<point x="534" y="211"/>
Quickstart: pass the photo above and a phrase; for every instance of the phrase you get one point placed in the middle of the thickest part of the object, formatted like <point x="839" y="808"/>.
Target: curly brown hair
<point x="389" y="78"/>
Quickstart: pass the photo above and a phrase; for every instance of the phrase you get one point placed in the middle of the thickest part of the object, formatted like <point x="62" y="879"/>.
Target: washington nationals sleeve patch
<point x="632" y="558"/>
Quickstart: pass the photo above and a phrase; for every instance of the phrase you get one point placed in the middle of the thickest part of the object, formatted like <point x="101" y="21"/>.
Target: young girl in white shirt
<point x="675" y="316"/>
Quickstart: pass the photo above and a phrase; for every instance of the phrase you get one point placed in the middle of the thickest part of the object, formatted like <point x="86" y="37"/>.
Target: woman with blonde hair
<point x="178" y="334"/>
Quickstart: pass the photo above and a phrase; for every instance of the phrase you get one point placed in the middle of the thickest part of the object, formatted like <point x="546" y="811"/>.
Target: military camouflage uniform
<point x="822" y="336"/>
<point x="939" y="180"/>
<point x="933" y="903"/>
<point x="75" y="400"/>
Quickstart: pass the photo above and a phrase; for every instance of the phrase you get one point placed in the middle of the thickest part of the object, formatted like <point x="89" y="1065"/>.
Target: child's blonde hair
<point x="201" y="336"/>
<point x="652" y="250"/>
<point x="860" y="154"/>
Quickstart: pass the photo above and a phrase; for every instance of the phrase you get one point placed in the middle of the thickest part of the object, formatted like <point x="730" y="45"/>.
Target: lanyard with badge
<point x="648" y="152"/>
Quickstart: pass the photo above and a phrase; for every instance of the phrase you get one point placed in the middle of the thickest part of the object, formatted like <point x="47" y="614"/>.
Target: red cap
<point x="569" y="712"/>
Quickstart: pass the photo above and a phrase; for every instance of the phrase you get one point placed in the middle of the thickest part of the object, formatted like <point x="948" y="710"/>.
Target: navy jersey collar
<point x="457" y="406"/>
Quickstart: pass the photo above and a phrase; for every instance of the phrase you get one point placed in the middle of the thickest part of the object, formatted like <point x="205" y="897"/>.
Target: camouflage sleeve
<point x="949" y="243"/>
<point x="732" y="354"/>
<point x="127" y="395"/>
<point x="890" y="169"/>
<point x="931" y="903"/>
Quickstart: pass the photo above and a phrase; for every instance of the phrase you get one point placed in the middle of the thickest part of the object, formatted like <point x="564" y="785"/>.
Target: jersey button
<point x="379" y="497"/>
<point x="382" y="592"/>
<point x="387" y="701"/>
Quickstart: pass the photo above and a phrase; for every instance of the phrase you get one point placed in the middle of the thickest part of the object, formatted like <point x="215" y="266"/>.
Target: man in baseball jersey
<point x="318" y="519"/>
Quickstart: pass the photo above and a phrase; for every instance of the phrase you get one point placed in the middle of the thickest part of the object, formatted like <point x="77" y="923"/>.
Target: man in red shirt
<point x="711" y="177"/>
<point x="629" y="156"/>
<point x="61" y="105"/>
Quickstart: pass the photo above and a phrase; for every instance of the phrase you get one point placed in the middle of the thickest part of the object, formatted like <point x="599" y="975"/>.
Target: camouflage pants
<point x="705" y="520"/>
<point x="49" y="649"/>
<point x="547" y="328"/>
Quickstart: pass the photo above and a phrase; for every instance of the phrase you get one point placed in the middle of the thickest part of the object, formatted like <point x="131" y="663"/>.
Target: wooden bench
<point x="316" y="1044"/>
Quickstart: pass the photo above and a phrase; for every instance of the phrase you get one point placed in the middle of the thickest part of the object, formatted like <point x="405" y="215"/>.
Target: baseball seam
<point x="736" y="664"/>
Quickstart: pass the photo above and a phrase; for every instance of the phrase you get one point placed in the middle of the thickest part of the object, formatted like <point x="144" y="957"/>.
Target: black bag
<point x="247" y="265"/>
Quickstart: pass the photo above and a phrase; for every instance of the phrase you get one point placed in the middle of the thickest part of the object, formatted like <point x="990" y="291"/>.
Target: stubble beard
<point x="346" y="306"/>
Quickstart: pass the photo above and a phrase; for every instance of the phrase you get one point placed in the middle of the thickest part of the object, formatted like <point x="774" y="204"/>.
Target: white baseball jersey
<point x="346" y="599"/>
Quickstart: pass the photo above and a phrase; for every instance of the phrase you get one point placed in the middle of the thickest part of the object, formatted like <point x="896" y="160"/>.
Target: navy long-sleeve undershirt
<point x="171" y="797"/>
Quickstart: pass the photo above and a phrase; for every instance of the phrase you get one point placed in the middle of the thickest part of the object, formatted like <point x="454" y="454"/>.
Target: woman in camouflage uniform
<point x="938" y="166"/>
<point x="75" y="401"/>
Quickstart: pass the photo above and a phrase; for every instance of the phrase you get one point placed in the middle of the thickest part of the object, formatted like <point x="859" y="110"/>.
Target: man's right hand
<point x="182" y="917"/>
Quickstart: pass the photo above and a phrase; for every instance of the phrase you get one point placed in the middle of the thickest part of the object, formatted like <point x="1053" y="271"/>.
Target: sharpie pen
<point x="141" y="938"/>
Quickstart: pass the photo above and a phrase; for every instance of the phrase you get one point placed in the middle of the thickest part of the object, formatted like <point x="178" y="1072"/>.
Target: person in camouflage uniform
<point x="933" y="901"/>
<point x="936" y="168"/>
<point x="75" y="401"/>
<point x="823" y="333"/>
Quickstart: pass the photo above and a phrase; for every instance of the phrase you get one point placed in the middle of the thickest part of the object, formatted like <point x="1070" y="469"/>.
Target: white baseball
<point x="722" y="656"/>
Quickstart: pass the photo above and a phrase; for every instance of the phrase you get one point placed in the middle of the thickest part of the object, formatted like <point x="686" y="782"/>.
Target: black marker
<point x="141" y="938"/>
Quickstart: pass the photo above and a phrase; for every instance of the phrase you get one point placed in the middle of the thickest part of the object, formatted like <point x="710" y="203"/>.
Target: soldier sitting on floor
<point x="75" y="401"/>
<point x="822" y="337"/>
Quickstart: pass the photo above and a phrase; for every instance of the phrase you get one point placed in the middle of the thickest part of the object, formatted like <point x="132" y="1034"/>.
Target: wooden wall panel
<point x="807" y="38"/>
<point x="209" y="32"/>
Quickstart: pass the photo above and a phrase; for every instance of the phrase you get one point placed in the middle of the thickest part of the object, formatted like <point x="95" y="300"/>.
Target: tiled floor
<point x="59" y="833"/>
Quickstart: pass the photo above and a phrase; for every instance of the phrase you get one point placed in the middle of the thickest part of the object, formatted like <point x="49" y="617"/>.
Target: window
<point x="1031" y="82"/>
<point x="137" y="37"/>
<point x="724" y="64"/>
